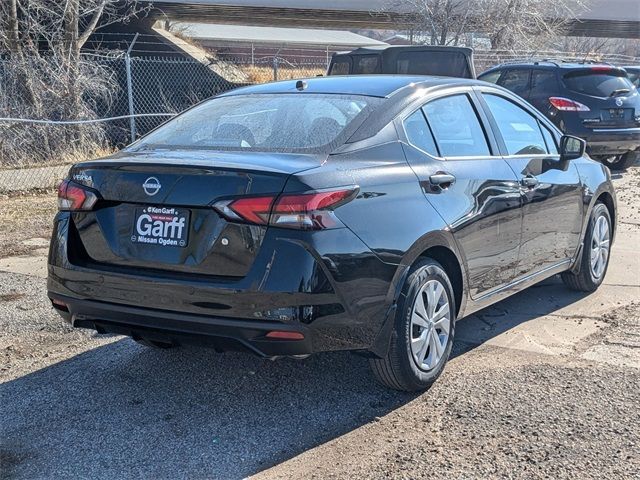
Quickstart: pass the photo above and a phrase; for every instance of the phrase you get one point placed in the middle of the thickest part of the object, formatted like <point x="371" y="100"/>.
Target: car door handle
<point x="442" y="179"/>
<point x="529" y="181"/>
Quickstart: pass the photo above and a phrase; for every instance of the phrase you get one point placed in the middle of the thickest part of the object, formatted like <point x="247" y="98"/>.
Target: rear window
<point x="366" y="64"/>
<point x="596" y="83"/>
<point x="303" y="122"/>
<point x="446" y="64"/>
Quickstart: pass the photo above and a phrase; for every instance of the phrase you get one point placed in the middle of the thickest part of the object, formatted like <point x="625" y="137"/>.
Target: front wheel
<point x="594" y="259"/>
<point x="422" y="337"/>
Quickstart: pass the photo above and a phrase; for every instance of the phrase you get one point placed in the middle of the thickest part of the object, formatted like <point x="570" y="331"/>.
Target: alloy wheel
<point x="600" y="241"/>
<point x="430" y="325"/>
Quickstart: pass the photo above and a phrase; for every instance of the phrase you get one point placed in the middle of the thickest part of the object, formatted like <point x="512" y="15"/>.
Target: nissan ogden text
<point x="341" y="213"/>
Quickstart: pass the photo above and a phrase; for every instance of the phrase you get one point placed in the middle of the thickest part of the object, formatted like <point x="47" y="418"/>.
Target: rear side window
<point x="520" y="130"/>
<point x="543" y="82"/>
<point x="456" y="128"/>
<point x="598" y="83"/>
<point x="419" y="134"/>
<point x="491" y="77"/>
<point x="340" y="67"/>
<point x="515" y="80"/>
<point x="364" y="64"/>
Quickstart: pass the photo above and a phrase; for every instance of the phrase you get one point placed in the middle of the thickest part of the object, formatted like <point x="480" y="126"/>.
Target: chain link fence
<point x="146" y="91"/>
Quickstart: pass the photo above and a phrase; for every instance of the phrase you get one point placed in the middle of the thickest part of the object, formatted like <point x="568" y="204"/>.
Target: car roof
<point x="384" y="86"/>
<point x="402" y="48"/>
<point x="553" y="64"/>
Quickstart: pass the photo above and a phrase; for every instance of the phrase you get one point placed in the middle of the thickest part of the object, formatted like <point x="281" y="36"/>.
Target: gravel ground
<point x="543" y="385"/>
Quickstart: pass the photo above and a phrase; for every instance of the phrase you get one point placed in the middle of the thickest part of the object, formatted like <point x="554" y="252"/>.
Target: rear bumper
<point x="326" y="285"/>
<point x="180" y="328"/>
<point x="612" y="141"/>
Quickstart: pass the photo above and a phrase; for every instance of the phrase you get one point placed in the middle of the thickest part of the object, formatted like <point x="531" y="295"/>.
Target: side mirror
<point x="571" y="147"/>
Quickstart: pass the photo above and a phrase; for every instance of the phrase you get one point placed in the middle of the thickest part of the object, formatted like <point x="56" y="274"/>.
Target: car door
<point x="465" y="179"/>
<point x="551" y="188"/>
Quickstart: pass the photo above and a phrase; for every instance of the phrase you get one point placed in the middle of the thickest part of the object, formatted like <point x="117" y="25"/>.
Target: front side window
<point x="550" y="139"/>
<point x="515" y="80"/>
<point x="303" y="122"/>
<point x="456" y="127"/>
<point x="519" y="129"/>
<point x="418" y="133"/>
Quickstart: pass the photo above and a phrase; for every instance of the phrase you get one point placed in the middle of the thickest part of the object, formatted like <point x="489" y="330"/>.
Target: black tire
<point x="154" y="344"/>
<point x="398" y="369"/>
<point x="585" y="281"/>
<point x="621" y="162"/>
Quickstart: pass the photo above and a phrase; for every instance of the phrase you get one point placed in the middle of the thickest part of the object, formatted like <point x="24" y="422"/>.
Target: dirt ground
<point x="23" y="218"/>
<point x="542" y="385"/>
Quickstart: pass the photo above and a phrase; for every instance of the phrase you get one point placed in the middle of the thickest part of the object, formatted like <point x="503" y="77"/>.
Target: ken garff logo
<point x="151" y="186"/>
<point x="619" y="102"/>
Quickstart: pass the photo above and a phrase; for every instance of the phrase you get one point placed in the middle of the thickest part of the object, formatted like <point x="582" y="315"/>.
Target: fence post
<point x="127" y="62"/>
<point x="275" y="69"/>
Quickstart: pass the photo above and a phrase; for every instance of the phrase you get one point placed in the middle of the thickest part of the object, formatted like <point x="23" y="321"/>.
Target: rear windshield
<point x="446" y="64"/>
<point x="301" y="122"/>
<point x="596" y="83"/>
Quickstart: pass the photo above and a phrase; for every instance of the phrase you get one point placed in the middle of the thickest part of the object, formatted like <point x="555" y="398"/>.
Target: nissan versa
<point x="338" y="213"/>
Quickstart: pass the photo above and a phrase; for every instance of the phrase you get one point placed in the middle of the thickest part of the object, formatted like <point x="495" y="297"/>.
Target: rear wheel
<point x="422" y="337"/>
<point x="621" y="162"/>
<point x="595" y="252"/>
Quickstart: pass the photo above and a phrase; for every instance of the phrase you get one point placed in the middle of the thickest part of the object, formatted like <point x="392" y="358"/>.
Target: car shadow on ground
<point x="122" y="410"/>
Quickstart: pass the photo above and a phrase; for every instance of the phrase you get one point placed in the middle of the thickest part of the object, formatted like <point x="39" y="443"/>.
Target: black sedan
<point x="363" y="213"/>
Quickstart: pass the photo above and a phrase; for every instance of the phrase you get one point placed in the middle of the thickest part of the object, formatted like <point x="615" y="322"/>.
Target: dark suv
<point x="437" y="60"/>
<point x="596" y="102"/>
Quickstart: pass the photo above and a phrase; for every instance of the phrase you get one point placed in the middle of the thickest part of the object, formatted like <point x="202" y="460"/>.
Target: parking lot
<point x="544" y="384"/>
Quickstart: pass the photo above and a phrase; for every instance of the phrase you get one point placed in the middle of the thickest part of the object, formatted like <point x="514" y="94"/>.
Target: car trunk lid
<point x="155" y="209"/>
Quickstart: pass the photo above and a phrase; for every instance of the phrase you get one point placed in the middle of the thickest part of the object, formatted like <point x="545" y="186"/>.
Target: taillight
<point x="567" y="105"/>
<point x="73" y="197"/>
<point x="306" y="211"/>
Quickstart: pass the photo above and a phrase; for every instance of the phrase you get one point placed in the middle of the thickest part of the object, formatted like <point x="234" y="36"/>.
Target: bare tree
<point x="508" y="24"/>
<point x="525" y="24"/>
<point x="43" y="75"/>
<point x="437" y="22"/>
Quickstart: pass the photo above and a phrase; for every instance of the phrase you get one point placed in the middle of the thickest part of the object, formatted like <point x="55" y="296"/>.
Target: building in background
<point x="256" y="44"/>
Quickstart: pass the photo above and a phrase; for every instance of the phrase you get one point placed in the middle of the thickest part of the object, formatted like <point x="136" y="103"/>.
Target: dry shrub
<point x="263" y="74"/>
<point x="49" y="88"/>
